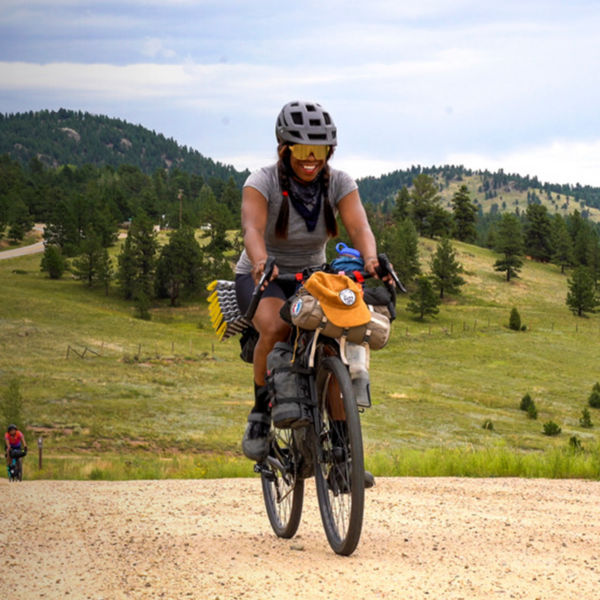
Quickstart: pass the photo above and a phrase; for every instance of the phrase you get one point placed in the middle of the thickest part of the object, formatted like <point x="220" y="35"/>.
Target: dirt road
<point x="423" y="538"/>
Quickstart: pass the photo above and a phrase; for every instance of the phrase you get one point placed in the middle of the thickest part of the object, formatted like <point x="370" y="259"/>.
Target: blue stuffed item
<point x="348" y="261"/>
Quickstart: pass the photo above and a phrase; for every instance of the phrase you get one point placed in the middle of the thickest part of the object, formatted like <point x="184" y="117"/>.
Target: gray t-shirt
<point x="301" y="248"/>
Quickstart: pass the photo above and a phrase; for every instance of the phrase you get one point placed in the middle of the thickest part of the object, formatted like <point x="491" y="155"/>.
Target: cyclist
<point x="289" y="212"/>
<point x="13" y="440"/>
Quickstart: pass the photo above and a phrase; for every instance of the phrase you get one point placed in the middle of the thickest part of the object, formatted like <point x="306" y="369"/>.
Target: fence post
<point x="40" y="444"/>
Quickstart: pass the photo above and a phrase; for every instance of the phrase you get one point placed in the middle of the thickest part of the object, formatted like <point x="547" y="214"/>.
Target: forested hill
<point x="67" y="137"/>
<point x="77" y="138"/>
<point x="505" y="191"/>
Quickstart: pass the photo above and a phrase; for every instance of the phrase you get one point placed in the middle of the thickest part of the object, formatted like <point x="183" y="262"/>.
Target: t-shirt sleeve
<point x="341" y="185"/>
<point x="261" y="180"/>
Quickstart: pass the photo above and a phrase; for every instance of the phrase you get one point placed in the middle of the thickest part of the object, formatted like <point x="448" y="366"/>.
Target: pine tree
<point x="464" y="214"/>
<point x="424" y="198"/>
<point x="179" y="266"/>
<point x="402" y="205"/>
<point x="401" y="244"/>
<point x="562" y="243"/>
<point x="445" y="269"/>
<point x="538" y="238"/>
<point x="53" y="262"/>
<point x="86" y="265"/>
<point x="105" y="270"/>
<point x="137" y="260"/>
<point x="509" y="242"/>
<point x="581" y="297"/>
<point x="19" y="221"/>
<point x="424" y="301"/>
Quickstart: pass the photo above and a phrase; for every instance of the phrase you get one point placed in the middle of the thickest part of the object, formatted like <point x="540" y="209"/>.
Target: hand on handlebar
<point x="258" y="272"/>
<point x="385" y="272"/>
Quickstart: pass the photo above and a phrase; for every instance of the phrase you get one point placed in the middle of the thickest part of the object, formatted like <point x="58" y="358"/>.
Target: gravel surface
<point x="422" y="538"/>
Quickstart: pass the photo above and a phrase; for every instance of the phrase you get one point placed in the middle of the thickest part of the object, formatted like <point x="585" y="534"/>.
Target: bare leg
<point x="271" y="329"/>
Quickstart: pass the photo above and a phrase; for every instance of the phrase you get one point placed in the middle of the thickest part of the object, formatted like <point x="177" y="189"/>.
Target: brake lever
<point x="385" y="268"/>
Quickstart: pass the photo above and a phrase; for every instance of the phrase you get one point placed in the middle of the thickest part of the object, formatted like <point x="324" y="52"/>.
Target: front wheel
<point x="339" y="462"/>
<point x="282" y="486"/>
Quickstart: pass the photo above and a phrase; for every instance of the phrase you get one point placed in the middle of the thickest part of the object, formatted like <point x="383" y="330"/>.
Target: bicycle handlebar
<point x="385" y="268"/>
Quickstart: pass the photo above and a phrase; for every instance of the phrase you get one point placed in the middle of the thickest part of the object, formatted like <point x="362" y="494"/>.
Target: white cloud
<point x="154" y="47"/>
<point x="558" y="162"/>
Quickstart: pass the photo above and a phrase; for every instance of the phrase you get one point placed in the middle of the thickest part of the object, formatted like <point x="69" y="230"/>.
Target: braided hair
<point x="283" y="171"/>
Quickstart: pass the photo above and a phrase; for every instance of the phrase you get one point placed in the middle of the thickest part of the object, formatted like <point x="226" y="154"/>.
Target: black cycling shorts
<point x="244" y="286"/>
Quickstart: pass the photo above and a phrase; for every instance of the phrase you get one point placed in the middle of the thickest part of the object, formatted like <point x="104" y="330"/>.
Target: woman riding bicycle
<point x="289" y="212"/>
<point x="13" y="440"/>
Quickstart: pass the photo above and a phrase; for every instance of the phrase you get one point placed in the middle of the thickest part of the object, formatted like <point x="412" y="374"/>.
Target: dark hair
<point x="283" y="171"/>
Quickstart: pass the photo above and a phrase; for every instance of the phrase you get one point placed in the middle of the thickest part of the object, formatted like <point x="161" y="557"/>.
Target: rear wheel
<point x="282" y="486"/>
<point x="339" y="466"/>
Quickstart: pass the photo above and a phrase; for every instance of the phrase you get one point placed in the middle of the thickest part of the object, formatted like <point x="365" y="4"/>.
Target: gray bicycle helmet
<point x="305" y="123"/>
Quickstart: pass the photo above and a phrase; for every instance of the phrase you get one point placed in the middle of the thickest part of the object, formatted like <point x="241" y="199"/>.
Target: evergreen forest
<point x="86" y="177"/>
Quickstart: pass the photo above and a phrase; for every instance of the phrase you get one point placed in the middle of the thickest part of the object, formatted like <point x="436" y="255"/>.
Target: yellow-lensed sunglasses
<point x="303" y="151"/>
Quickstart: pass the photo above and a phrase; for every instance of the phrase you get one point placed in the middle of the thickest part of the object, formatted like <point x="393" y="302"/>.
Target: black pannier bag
<point x="382" y="299"/>
<point x="289" y="389"/>
<point x="248" y="341"/>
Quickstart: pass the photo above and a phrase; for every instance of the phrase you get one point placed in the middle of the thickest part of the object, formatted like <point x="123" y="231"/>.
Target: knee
<point x="273" y="332"/>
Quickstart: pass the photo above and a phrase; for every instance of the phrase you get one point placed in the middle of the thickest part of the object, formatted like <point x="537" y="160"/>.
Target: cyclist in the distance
<point x="13" y="440"/>
<point x="289" y="212"/>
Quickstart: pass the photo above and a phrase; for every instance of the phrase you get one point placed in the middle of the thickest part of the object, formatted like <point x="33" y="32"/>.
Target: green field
<point x="113" y="396"/>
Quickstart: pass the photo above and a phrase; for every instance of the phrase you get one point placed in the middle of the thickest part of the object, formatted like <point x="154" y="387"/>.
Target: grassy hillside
<point x="495" y="191"/>
<point x="509" y="197"/>
<point x="145" y="392"/>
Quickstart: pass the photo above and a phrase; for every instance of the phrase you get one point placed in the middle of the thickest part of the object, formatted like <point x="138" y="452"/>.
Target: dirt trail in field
<point x="422" y="538"/>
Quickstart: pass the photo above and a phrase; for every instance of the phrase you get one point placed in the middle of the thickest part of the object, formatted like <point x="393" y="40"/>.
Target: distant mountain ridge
<point x="78" y="138"/>
<point x="506" y="191"/>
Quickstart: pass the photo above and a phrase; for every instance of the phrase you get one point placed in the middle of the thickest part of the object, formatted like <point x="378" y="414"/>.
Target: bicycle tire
<point x="283" y="488"/>
<point x="339" y="462"/>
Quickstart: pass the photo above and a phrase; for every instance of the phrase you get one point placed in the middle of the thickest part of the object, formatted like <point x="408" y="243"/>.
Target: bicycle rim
<point x="283" y="489"/>
<point x="339" y="471"/>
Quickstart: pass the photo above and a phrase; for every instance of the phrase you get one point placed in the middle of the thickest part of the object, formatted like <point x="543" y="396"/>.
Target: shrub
<point x="532" y="411"/>
<point x="514" y="321"/>
<point x="585" y="420"/>
<point x="594" y="398"/>
<point x="551" y="428"/>
<point x="526" y="402"/>
<point x="575" y="444"/>
<point x="487" y="424"/>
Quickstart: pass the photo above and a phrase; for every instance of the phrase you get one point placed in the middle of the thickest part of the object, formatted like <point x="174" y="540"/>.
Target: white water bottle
<point x="356" y="354"/>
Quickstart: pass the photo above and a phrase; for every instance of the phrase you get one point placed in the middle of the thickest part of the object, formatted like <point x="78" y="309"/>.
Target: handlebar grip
<point x="385" y="268"/>
<point x="257" y="293"/>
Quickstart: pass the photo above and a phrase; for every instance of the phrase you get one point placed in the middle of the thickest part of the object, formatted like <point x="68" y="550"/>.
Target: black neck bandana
<point x="306" y="198"/>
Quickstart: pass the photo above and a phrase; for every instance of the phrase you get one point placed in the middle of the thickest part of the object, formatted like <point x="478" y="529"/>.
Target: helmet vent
<point x="315" y="122"/>
<point x="297" y="118"/>
<point x="310" y="108"/>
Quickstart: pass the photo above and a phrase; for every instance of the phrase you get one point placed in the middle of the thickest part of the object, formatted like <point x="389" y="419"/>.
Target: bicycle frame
<point x="329" y="447"/>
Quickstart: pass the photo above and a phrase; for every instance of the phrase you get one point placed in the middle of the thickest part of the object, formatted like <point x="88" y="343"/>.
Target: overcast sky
<point x="513" y="85"/>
